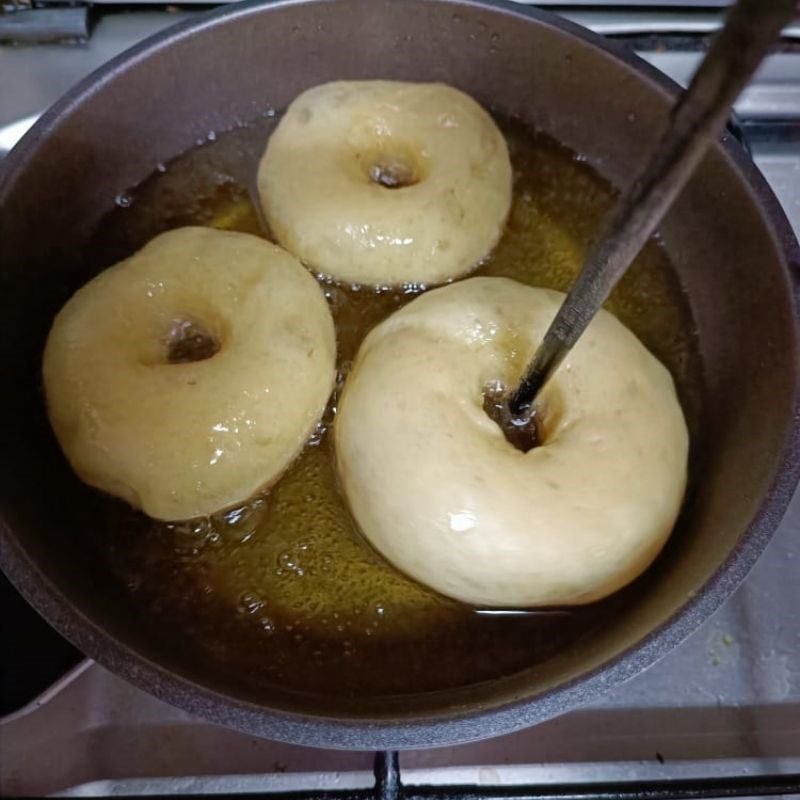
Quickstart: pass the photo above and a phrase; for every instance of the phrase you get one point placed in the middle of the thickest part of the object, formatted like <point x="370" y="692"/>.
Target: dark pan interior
<point x="727" y="239"/>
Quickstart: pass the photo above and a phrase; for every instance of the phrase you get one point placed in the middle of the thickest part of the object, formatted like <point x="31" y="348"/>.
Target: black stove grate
<point x="389" y="786"/>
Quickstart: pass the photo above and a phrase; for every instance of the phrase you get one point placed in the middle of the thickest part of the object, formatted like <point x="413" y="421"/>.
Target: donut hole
<point x="393" y="174"/>
<point x="523" y="437"/>
<point x="394" y="168"/>
<point x="189" y="341"/>
<point x="542" y="426"/>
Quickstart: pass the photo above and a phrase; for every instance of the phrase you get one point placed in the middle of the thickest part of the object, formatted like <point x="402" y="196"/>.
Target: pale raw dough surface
<point x="437" y="489"/>
<point x="180" y="440"/>
<point x="322" y="204"/>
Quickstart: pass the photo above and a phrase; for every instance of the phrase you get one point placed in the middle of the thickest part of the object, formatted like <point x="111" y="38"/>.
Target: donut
<point x="436" y="487"/>
<point x="188" y="377"/>
<point x="386" y="183"/>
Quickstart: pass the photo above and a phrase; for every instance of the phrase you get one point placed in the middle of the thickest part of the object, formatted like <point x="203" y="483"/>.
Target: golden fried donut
<point x="386" y="183"/>
<point x="438" y="490"/>
<point x="188" y="377"/>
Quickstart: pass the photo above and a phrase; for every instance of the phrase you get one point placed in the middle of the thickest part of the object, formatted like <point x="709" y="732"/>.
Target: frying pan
<point x="728" y="239"/>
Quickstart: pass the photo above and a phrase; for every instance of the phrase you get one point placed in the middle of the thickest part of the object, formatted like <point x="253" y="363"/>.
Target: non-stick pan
<point x="728" y="239"/>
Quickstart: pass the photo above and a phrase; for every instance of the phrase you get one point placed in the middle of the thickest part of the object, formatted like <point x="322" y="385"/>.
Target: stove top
<point x="724" y="706"/>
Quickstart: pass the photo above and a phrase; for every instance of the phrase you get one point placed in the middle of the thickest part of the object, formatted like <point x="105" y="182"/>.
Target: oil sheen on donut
<point x="386" y="183"/>
<point x="437" y="489"/>
<point x="188" y="377"/>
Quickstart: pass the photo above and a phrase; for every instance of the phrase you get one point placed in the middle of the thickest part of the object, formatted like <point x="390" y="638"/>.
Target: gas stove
<point x="721" y="713"/>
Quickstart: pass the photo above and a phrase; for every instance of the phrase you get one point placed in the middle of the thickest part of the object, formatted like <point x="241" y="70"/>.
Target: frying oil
<point x="283" y="591"/>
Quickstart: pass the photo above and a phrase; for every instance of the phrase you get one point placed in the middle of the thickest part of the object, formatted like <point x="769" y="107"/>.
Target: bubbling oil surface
<point x="283" y="591"/>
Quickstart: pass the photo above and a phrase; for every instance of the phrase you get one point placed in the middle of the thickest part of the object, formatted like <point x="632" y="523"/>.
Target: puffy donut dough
<point x="318" y="194"/>
<point x="180" y="440"/>
<point x="436" y="488"/>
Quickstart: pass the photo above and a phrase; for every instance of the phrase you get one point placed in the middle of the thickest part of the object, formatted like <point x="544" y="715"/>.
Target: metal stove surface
<point x="725" y="703"/>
